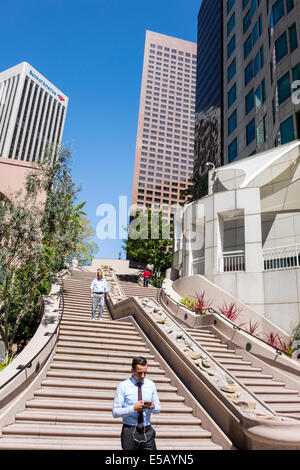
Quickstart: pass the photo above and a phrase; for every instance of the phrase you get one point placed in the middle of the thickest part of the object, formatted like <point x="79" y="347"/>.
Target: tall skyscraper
<point x="32" y="113"/>
<point x="164" y="155"/>
<point x="261" y="62"/>
<point x="209" y="91"/>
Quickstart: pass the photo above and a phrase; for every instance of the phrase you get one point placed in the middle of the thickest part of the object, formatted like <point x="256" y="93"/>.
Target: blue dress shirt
<point x="99" y="285"/>
<point x="127" y="395"/>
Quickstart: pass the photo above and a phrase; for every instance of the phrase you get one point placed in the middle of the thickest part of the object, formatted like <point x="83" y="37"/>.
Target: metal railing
<point x="232" y="261"/>
<point x="282" y="257"/>
<point x="22" y="367"/>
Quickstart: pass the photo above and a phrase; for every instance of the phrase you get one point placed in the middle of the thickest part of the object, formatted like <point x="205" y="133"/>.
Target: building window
<point x="246" y="21"/>
<point x="260" y="25"/>
<point x="232" y="150"/>
<point x="231" y="70"/>
<point x="232" y="95"/>
<point x="289" y="5"/>
<point x="256" y="65"/>
<point x="266" y="127"/>
<point x="293" y="37"/>
<point x="284" y="88"/>
<point x="232" y="123"/>
<point x="287" y="130"/>
<point x="247" y="46"/>
<point x="258" y="101"/>
<point x="250" y="132"/>
<point x="231" y="47"/>
<point x="254" y="34"/>
<point x="262" y="57"/>
<point x="230" y="4"/>
<point x="249" y="101"/>
<point x="248" y="73"/>
<point x="296" y="72"/>
<point x="263" y="90"/>
<point x="281" y="47"/>
<point x="231" y="24"/>
<point x="259" y="133"/>
<point x="277" y="12"/>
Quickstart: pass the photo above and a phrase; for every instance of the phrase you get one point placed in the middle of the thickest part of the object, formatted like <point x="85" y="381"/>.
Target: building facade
<point x="164" y="155"/>
<point x="209" y="88"/>
<point x="261" y="62"/>
<point x="32" y="113"/>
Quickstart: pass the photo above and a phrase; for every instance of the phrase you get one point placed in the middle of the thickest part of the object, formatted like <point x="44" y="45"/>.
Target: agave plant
<point x="252" y="328"/>
<point x="230" y="311"/>
<point x="272" y="339"/>
<point x="285" y="347"/>
<point x="201" y="303"/>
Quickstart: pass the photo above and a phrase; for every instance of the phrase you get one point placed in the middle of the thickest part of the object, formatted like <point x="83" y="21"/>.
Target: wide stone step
<point x="98" y="360"/>
<point x="133" y="349"/>
<point x="89" y="324"/>
<point x="286" y="408"/>
<point x="99" y="418"/>
<point x="282" y="399"/>
<point x="274" y="390"/>
<point x="98" y="333"/>
<point x="103" y="341"/>
<point x="102" y="368"/>
<point x="208" y="341"/>
<point x="35" y="443"/>
<point x="241" y="367"/>
<point x="97" y="395"/>
<point x="252" y="375"/>
<point x="258" y="380"/>
<point x="55" y="403"/>
<point x="235" y="361"/>
<point x="117" y="355"/>
<point x="81" y="384"/>
<point x="76" y="374"/>
<point x="215" y="348"/>
<point x="86" y="431"/>
<point x="226" y="355"/>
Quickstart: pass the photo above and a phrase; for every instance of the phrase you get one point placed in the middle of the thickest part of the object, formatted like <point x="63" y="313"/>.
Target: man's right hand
<point x="139" y="406"/>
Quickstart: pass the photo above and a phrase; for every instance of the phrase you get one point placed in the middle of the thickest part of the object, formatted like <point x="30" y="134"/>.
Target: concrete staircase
<point x="275" y="394"/>
<point x="133" y="289"/>
<point x="72" y="409"/>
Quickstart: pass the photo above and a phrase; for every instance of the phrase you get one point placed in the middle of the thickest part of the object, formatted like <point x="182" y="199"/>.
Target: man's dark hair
<point x="138" y="361"/>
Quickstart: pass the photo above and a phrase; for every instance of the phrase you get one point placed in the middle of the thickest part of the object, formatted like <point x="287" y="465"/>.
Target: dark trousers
<point x="133" y="439"/>
<point x="146" y="281"/>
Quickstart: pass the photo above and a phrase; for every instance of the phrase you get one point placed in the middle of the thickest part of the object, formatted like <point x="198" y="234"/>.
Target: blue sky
<point x="92" y="50"/>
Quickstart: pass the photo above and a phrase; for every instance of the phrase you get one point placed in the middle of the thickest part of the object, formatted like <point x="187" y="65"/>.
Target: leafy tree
<point x="40" y="230"/>
<point x="150" y="242"/>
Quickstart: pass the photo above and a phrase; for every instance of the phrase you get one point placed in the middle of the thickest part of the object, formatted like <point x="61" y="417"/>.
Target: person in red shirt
<point x="146" y="277"/>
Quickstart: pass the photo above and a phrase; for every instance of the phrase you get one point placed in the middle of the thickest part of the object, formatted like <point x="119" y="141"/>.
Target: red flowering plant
<point x="201" y="304"/>
<point x="230" y="311"/>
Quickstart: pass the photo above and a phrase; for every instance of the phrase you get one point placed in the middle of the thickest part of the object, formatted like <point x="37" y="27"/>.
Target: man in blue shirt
<point x="99" y="289"/>
<point x="135" y="399"/>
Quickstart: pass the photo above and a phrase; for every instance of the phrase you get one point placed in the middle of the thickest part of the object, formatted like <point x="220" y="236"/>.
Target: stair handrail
<point x="22" y="367"/>
<point x="234" y="326"/>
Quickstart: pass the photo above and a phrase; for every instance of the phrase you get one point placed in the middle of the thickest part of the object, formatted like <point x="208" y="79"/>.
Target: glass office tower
<point x="209" y="88"/>
<point x="261" y="64"/>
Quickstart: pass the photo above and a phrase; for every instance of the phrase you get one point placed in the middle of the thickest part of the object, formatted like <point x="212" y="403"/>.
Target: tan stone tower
<point x="164" y="155"/>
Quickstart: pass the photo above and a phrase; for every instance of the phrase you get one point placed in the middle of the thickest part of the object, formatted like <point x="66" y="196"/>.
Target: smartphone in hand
<point x="147" y="404"/>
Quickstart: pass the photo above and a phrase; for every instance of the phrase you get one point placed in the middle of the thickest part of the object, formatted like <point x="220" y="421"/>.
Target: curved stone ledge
<point x="16" y="382"/>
